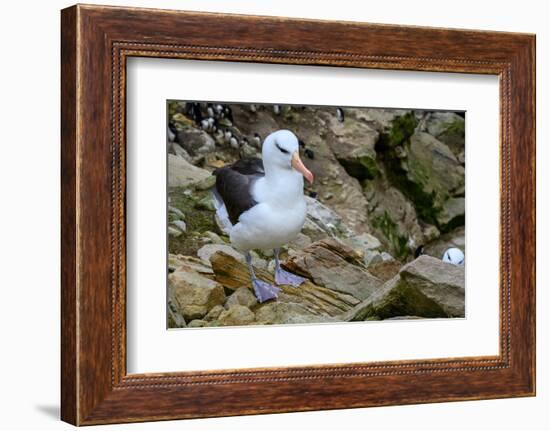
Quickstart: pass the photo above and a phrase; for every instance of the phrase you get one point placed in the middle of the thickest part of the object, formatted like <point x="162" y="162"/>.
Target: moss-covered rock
<point x="362" y="167"/>
<point x="429" y="176"/>
<point x="390" y="230"/>
<point x="198" y="219"/>
<point x="402" y="128"/>
<point x="353" y="145"/>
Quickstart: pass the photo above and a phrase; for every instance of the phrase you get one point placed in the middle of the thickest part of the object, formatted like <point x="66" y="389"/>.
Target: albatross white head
<point x="280" y="154"/>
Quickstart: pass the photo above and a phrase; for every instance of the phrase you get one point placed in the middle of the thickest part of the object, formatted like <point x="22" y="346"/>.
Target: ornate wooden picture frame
<point x="96" y="42"/>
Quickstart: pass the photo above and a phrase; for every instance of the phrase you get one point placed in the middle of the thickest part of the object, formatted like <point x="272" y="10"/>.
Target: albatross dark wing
<point x="248" y="166"/>
<point x="234" y="186"/>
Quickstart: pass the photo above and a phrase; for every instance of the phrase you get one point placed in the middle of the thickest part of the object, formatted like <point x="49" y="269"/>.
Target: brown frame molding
<point x="95" y="43"/>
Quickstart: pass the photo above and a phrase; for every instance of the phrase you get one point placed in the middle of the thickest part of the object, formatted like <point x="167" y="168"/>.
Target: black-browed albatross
<point x="261" y="204"/>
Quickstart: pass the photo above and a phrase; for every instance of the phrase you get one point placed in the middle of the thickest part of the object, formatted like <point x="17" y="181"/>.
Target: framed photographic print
<point x="282" y="220"/>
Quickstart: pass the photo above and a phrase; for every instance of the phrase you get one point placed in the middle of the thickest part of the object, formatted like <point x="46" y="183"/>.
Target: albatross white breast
<point x="261" y="204"/>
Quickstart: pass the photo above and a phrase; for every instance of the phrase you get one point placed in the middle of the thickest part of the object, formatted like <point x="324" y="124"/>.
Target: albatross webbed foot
<point x="264" y="291"/>
<point x="285" y="277"/>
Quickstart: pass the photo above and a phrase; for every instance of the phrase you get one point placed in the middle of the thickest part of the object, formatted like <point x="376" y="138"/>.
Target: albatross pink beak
<point x="300" y="167"/>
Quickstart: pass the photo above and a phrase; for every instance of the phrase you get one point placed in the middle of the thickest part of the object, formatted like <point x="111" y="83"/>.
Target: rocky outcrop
<point x="426" y="287"/>
<point x="385" y="121"/>
<point x="393" y="218"/>
<point x="386" y="182"/>
<point x="428" y="174"/>
<point x="282" y="313"/>
<point x="441" y="282"/>
<point x="432" y="175"/>
<point x="332" y="264"/>
<point x="447" y="127"/>
<point x="452" y="214"/>
<point x="353" y="146"/>
<point x="232" y="274"/>
<point x="321" y="222"/>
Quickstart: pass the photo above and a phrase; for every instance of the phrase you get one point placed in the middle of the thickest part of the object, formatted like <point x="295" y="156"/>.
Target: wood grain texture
<point x="96" y="42"/>
<point x="69" y="397"/>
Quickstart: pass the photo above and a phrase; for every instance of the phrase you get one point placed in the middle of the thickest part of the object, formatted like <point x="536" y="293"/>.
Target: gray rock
<point x="175" y="319"/>
<point x="393" y="218"/>
<point x="386" y="257"/>
<point x="322" y="221"/>
<point x="178" y="150"/>
<point x="241" y="296"/>
<point x="434" y="167"/>
<point x="453" y="213"/>
<point x="213" y="237"/>
<point x="179" y="224"/>
<point x="393" y="299"/>
<point x="194" y="295"/>
<point x="182" y="173"/>
<point x="214" y="313"/>
<point x="441" y="282"/>
<point x="380" y="120"/>
<point x="195" y="141"/>
<point x="363" y="242"/>
<point x="236" y="315"/>
<point x="206" y="203"/>
<point x="173" y="231"/>
<point x="353" y="146"/>
<point x="177" y="213"/>
<point x="372" y="257"/>
<point x="430" y="233"/>
<point x="206" y="183"/>
<point x="448" y="128"/>
<point x="278" y="313"/>
<point x="429" y="176"/>
<point x="366" y="245"/>
<point x="197" y="323"/>
<point x="425" y="287"/>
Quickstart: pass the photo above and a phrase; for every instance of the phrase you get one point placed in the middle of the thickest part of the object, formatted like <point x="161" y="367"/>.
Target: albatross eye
<point x="282" y="150"/>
